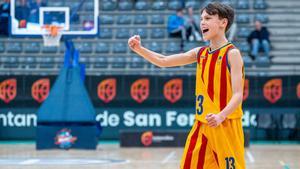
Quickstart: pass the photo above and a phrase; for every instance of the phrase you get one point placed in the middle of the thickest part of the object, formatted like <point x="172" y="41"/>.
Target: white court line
<point x="28" y="162"/>
<point x="283" y="164"/>
<point x="250" y="156"/>
<point x="168" y="157"/>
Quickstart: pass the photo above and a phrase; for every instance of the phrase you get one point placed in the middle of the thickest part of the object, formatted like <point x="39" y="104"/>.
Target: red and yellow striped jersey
<point x="213" y="82"/>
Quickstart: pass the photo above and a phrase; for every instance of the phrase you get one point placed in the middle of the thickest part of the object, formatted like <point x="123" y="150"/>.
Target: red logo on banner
<point x="273" y="90"/>
<point x="140" y="90"/>
<point x="173" y="90"/>
<point x="40" y="90"/>
<point x="107" y="90"/>
<point x="246" y="89"/>
<point x="146" y="138"/>
<point x="8" y="90"/>
<point x="298" y="90"/>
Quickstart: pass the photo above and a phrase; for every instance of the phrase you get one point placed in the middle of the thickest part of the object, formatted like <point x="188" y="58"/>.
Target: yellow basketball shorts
<point x="215" y="148"/>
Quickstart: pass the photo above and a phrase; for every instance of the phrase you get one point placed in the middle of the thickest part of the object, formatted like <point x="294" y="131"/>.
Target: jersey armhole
<point x="200" y="51"/>
<point x="227" y="61"/>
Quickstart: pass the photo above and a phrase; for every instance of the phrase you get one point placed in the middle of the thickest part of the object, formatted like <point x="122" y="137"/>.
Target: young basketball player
<point x="216" y="140"/>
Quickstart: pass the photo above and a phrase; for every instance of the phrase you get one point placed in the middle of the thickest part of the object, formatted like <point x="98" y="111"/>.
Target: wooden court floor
<point x="111" y="156"/>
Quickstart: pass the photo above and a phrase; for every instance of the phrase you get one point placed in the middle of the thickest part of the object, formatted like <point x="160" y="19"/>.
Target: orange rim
<point x="52" y="29"/>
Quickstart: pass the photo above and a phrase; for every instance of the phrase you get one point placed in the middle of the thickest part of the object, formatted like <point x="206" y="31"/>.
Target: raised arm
<point x="158" y="59"/>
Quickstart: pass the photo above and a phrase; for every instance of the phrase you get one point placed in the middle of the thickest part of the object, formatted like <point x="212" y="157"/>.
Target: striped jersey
<point x="213" y="82"/>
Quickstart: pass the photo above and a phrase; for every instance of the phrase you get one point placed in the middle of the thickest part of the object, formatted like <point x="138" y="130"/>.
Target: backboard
<point x="76" y="17"/>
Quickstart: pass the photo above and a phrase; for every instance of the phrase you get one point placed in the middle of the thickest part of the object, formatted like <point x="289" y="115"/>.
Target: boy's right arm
<point x="159" y="59"/>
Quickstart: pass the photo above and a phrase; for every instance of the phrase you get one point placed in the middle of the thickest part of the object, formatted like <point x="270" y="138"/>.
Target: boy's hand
<point x="214" y="120"/>
<point x="134" y="43"/>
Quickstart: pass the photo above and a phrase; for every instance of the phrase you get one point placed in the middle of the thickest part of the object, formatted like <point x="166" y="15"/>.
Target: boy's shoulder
<point x="198" y="49"/>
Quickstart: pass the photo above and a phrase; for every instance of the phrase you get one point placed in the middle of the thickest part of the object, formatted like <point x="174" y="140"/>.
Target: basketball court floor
<point x="111" y="156"/>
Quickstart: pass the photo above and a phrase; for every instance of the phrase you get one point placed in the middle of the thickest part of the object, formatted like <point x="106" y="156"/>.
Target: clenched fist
<point x="134" y="43"/>
<point x="214" y="120"/>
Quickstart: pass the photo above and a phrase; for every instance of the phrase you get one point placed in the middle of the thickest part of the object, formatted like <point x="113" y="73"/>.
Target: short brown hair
<point x="222" y="10"/>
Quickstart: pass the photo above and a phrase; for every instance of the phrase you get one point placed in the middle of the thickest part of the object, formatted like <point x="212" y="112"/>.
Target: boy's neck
<point x="217" y="42"/>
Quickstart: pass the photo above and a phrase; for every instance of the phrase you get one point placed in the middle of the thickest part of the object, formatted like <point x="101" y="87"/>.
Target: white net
<point x="51" y="36"/>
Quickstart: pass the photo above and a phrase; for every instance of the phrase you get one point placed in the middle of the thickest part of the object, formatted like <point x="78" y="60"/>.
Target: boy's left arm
<point x="236" y="65"/>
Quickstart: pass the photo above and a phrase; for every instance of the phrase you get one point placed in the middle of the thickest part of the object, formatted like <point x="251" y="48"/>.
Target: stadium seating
<point x="243" y="32"/>
<point x="14" y="47"/>
<point x="136" y="62"/>
<point x="157" y="33"/>
<point x="124" y="19"/>
<point x="247" y="61"/>
<point x="125" y="5"/>
<point x="120" y="20"/>
<point x="174" y="5"/>
<point x="99" y="62"/>
<point x="108" y="5"/>
<point x="193" y="3"/>
<point x="120" y="47"/>
<point x="260" y="4"/>
<point x="46" y="62"/>
<point x="140" y="19"/>
<point x="117" y="62"/>
<point x="106" y="19"/>
<point x="102" y="47"/>
<point x="242" y="4"/>
<point x="156" y="47"/>
<point x="30" y="62"/>
<point x="123" y="33"/>
<point x="157" y="19"/>
<point x="173" y="47"/>
<point x="261" y="17"/>
<point x="106" y="33"/>
<point x="84" y="47"/>
<point x="45" y="49"/>
<point x="32" y="47"/>
<point x="142" y="32"/>
<point x="243" y="18"/>
<point x="262" y="61"/>
<point x="142" y="5"/>
<point x="159" y="5"/>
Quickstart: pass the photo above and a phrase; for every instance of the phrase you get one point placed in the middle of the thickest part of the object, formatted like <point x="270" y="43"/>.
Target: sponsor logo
<point x="173" y="90"/>
<point x="23" y="23"/>
<point x="147" y="138"/>
<point x="140" y="90"/>
<point x="246" y="89"/>
<point x="64" y="139"/>
<point x="273" y="90"/>
<point x="107" y="90"/>
<point x="40" y="90"/>
<point x="8" y="90"/>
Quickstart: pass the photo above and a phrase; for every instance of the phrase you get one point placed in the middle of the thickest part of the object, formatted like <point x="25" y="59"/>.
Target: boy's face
<point x="190" y="11"/>
<point x="258" y="25"/>
<point x="180" y="13"/>
<point x="211" y="25"/>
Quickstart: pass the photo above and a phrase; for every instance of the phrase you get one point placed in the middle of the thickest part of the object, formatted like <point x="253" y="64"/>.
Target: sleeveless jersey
<point x="213" y="83"/>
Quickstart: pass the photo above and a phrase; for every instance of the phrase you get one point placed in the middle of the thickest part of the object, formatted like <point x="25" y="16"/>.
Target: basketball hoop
<point x="51" y="35"/>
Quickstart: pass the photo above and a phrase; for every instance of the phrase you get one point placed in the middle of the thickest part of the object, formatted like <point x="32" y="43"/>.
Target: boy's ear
<point x="224" y="22"/>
